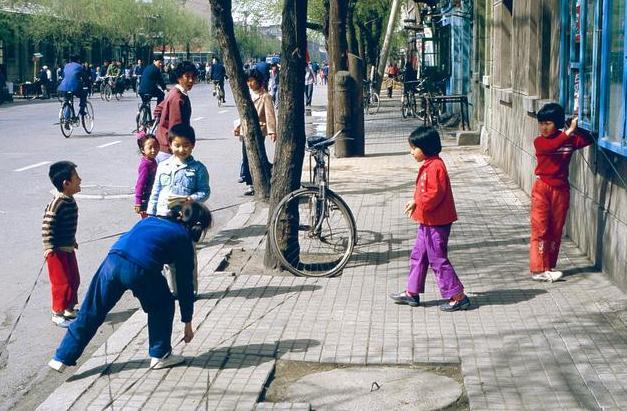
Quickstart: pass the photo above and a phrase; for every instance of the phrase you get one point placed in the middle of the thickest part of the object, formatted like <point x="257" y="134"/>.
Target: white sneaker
<point x="70" y="314"/>
<point x="555" y="275"/>
<point x="169" y="360"/>
<point x="60" y="320"/>
<point x="548" y="276"/>
<point x="249" y="191"/>
<point x="58" y="366"/>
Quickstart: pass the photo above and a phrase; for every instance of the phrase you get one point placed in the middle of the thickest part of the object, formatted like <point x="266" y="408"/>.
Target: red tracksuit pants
<point x="64" y="280"/>
<point x="549" y="206"/>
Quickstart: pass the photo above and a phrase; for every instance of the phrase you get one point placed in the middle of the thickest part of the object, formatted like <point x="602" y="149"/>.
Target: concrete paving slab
<point x="375" y="388"/>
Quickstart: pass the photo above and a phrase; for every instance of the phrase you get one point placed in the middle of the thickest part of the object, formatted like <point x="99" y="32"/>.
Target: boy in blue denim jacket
<point x="179" y="180"/>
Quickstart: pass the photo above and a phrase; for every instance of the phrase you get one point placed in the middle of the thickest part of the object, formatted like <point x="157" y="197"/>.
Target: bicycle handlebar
<point x="318" y="143"/>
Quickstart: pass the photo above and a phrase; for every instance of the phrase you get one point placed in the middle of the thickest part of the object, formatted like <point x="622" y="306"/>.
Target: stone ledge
<point x="468" y="138"/>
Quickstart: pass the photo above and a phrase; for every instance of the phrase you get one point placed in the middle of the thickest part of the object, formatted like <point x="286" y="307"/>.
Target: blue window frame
<point x="593" y="80"/>
<point x="613" y="113"/>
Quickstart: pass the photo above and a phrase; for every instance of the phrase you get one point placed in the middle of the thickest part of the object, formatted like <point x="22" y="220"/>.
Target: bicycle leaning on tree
<point x="315" y="225"/>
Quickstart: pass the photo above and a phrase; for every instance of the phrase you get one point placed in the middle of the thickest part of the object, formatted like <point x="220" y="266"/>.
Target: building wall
<point x="521" y="77"/>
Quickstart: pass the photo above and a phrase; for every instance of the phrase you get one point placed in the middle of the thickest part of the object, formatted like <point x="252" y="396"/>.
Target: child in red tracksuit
<point x="59" y="237"/>
<point x="550" y="195"/>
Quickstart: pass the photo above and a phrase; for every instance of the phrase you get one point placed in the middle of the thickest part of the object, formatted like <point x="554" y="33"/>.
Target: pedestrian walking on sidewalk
<point x="267" y="120"/>
<point x="146" y="171"/>
<point x="134" y="263"/>
<point x="433" y="208"/>
<point x="59" y="236"/>
<point x="550" y="195"/>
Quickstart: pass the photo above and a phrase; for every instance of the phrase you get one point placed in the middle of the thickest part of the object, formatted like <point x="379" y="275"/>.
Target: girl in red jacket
<point x="550" y="195"/>
<point x="434" y="208"/>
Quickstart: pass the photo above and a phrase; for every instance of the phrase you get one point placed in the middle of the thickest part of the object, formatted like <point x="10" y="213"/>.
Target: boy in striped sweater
<point x="59" y="237"/>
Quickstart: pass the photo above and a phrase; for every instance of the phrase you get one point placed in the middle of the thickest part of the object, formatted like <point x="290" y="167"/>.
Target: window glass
<point x="616" y="65"/>
<point x="587" y="106"/>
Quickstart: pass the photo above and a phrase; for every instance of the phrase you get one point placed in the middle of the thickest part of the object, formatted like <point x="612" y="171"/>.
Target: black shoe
<point x="250" y="191"/>
<point x="462" y="304"/>
<point x="404" y="298"/>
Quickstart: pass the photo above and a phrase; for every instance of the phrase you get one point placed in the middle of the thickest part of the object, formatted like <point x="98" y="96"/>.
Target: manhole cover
<point x="375" y="388"/>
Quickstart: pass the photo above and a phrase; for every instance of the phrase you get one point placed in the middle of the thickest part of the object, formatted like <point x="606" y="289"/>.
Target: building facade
<point x="526" y="53"/>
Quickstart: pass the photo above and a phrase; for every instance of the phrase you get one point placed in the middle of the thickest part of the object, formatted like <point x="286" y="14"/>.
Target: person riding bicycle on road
<point x="114" y="72"/>
<point x="151" y="80"/>
<point x="73" y="81"/>
<point x="218" y="74"/>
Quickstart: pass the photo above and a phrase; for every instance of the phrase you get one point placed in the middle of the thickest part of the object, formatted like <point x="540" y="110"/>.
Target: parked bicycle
<point x="68" y="120"/>
<point x="408" y="100"/>
<point x="319" y="226"/>
<point x="371" y="98"/>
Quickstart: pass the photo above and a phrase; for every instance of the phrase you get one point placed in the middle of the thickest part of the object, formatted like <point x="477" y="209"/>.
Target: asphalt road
<point x="107" y="163"/>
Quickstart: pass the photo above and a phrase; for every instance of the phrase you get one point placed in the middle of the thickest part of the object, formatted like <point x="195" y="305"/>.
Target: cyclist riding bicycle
<point x="138" y="70"/>
<point x="73" y="82"/>
<point x="218" y="74"/>
<point x="151" y="80"/>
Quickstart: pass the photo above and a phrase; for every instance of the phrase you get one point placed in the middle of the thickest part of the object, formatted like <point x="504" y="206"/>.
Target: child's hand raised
<point x="573" y="126"/>
<point x="409" y="207"/>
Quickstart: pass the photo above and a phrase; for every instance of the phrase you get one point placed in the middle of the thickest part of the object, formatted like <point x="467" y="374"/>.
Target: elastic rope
<point x="4" y="347"/>
<point x="123" y="232"/>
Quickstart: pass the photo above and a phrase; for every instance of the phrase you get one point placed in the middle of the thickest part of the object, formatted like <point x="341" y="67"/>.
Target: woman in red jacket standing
<point x="434" y="208"/>
<point x="176" y="108"/>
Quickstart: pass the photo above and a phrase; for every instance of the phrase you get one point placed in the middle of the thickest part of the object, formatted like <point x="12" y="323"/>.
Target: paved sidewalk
<point x="525" y="345"/>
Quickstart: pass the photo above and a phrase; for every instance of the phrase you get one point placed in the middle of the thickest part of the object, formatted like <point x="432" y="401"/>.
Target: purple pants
<point x="431" y="249"/>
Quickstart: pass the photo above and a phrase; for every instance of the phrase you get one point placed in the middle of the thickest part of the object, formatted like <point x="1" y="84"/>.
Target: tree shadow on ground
<point x="504" y="296"/>
<point x="233" y="235"/>
<point x="258" y="292"/>
<point x="233" y="357"/>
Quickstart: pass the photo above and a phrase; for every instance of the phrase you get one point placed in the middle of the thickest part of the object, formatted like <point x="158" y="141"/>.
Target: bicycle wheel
<point x="404" y="109"/>
<point x="413" y="107"/>
<point x="219" y="95"/>
<point x="142" y="118"/>
<point x="87" y="119"/>
<point x="373" y="104"/>
<point x="107" y="92"/>
<point x="67" y="127"/>
<point x="321" y="233"/>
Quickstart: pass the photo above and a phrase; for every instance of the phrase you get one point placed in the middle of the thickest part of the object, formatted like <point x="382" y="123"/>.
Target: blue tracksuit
<point x="134" y="263"/>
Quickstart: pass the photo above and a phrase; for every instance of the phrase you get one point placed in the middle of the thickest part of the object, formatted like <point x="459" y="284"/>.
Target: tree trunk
<point x="383" y="58"/>
<point x="351" y="35"/>
<point x="253" y="139"/>
<point x="290" y="143"/>
<point x="336" y="52"/>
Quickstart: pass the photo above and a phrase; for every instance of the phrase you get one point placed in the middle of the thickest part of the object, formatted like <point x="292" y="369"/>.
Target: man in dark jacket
<point x="151" y="80"/>
<point x="73" y="81"/>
